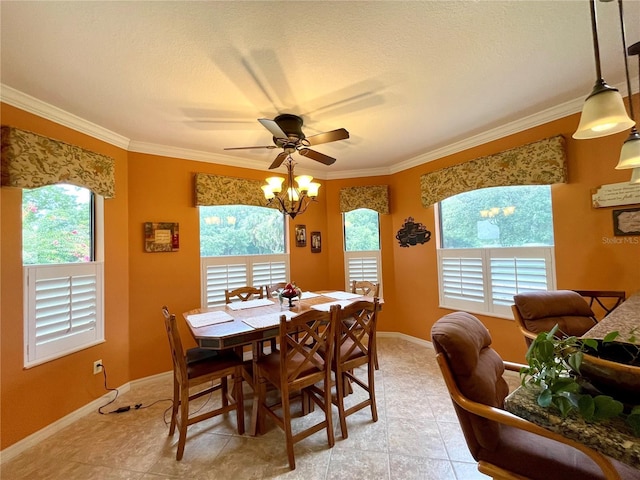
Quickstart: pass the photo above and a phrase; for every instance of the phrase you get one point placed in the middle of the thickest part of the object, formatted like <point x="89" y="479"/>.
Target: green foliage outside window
<point x="498" y="217"/>
<point x="361" y="230"/>
<point x="240" y="230"/>
<point x="56" y="225"/>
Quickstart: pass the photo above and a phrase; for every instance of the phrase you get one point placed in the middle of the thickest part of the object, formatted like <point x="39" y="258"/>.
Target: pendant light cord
<point x="626" y="60"/>
<point x="594" y="31"/>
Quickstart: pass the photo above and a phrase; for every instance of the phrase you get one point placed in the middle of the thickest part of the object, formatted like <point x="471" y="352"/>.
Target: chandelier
<point x="291" y="199"/>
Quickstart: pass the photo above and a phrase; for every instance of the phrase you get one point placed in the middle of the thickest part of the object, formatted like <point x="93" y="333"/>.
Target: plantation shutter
<point x="510" y="276"/>
<point x="267" y="273"/>
<point x="64" y="306"/>
<point x="462" y="278"/>
<point x="223" y="277"/>
<point x="227" y="273"/>
<point x="362" y="266"/>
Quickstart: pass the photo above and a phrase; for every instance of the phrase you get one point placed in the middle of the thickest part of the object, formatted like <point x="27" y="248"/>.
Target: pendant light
<point x="603" y="112"/>
<point x="630" y="153"/>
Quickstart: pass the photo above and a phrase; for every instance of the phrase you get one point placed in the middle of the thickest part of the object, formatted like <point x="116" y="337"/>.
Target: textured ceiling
<point x="408" y="80"/>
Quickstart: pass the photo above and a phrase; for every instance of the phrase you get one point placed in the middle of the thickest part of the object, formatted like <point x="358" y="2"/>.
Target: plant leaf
<point x="544" y="399"/>
<point x="563" y="404"/>
<point x="606" y="407"/>
<point x="575" y="360"/>
<point x="586" y="406"/>
<point x="591" y="343"/>
<point x="611" y="336"/>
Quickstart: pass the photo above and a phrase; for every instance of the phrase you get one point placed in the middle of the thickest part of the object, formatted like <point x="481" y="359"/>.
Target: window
<point x="362" y="246"/>
<point x="63" y="282"/>
<point x="240" y="245"/>
<point x="494" y="244"/>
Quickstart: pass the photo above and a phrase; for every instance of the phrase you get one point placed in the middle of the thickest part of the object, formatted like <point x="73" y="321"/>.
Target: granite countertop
<point x="625" y="319"/>
<point x="611" y="437"/>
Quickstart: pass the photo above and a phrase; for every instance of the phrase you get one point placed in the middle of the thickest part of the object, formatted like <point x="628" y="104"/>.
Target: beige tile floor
<point x="417" y="436"/>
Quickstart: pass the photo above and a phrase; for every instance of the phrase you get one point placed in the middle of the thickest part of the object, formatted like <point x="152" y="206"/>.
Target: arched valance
<point x="221" y="190"/>
<point x="537" y="163"/>
<point x="30" y="160"/>
<point x="374" y="197"/>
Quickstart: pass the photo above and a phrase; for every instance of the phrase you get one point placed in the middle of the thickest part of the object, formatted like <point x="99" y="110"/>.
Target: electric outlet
<point x="97" y="367"/>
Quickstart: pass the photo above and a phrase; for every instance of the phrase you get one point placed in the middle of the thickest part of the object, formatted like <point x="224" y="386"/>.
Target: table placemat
<point x="268" y="320"/>
<point x="208" y="318"/>
<point x="341" y="295"/>
<point x="306" y="295"/>
<point x="258" y="302"/>
<point x="325" y="307"/>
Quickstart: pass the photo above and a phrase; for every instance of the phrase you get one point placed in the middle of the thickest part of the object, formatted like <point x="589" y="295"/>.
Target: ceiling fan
<point x="287" y="134"/>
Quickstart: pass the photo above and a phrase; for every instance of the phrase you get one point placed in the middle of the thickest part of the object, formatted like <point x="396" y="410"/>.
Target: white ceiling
<point x="410" y="80"/>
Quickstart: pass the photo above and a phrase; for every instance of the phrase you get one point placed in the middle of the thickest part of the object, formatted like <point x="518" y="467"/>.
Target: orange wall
<point x="585" y="256"/>
<point x="161" y="189"/>
<point x="33" y="398"/>
<point x="154" y="188"/>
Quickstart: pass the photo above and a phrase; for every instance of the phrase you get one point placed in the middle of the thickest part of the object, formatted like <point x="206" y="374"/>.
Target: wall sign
<point x="161" y="237"/>
<point x="626" y="222"/>
<point x="616" y="194"/>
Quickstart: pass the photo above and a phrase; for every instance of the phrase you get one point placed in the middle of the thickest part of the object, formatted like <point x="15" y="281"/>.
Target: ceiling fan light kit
<point x="293" y="199"/>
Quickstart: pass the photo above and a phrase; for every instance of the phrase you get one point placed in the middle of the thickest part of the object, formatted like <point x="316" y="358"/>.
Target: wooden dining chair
<point x="604" y="301"/>
<point x="368" y="289"/>
<point x="195" y="367"/>
<point x="354" y="348"/>
<point x="298" y="367"/>
<point x="365" y="288"/>
<point x="504" y="445"/>
<point x="274" y="287"/>
<point x="244" y="294"/>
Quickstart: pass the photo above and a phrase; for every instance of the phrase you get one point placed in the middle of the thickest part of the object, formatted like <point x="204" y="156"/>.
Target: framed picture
<point x="316" y="242"/>
<point x="301" y="236"/>
<point x="626" y="222"/>
<point x="161" y="237"/>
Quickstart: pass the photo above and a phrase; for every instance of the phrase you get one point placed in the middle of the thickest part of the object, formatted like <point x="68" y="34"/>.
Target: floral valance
<point x="374" y="197"/>
<point x="30" y="160"/>
<point x="221" y="190"/>
<point x="537" y="163"/>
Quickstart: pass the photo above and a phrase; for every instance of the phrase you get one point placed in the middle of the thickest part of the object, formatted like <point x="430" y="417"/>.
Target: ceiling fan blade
<point x="247" y="148"/>
<point x="273" y="127"/>
<point x="317" y="156"/>
<point x="278" y="161"/>
<point x="332" y="136"/>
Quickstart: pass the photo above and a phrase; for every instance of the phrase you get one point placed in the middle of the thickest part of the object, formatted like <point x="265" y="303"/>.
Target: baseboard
<point x="403" y="336"/>
<point x="53" y="428"/>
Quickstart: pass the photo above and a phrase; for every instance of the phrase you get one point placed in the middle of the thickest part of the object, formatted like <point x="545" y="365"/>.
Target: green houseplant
<point x="553" y="365"/>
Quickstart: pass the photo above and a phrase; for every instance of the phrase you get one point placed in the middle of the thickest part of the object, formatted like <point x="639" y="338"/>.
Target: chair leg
<point x="225" y="391"/>
<point x="260" y="399"/>
<point x="375" y="353"/>
<point x="184" y="420"/>
<point x="288" y="433"/>
<point x="327" y="410"/>
<point x="372" y="391"/>
<point x="174" y="408"/>
<point x="340" y="385"/>
<point x="239" y="398"/>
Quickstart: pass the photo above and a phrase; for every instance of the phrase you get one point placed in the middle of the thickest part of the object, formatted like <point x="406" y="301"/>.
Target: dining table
<point x="249" y="323"/>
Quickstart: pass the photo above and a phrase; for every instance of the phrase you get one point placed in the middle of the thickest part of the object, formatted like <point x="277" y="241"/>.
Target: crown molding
<point x="30" y="104"/>
<point x="540" y="118"/>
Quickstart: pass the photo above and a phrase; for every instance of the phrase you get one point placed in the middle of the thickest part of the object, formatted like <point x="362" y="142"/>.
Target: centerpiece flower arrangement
<point x="290" y="291"/>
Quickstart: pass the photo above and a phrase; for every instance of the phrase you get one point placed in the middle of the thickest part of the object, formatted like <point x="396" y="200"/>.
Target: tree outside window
<point x="57" y="225"/>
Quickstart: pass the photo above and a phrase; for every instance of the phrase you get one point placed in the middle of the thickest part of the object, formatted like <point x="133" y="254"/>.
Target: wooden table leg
<point x="256" y="352"/>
